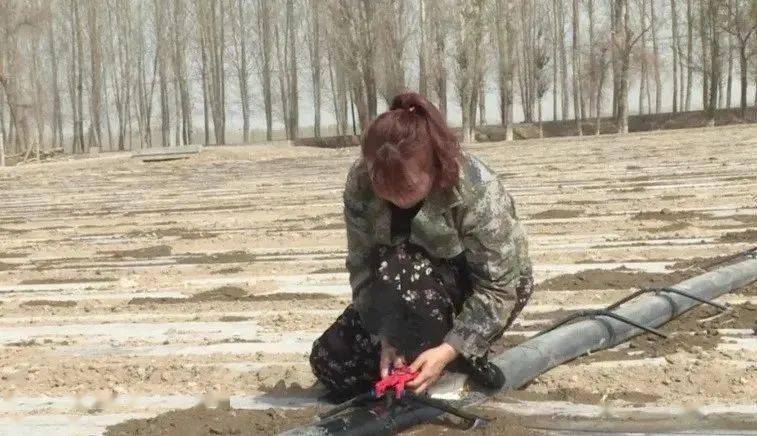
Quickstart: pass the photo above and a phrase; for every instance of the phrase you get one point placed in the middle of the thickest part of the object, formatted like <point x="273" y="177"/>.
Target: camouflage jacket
<point x="476" y="218"/>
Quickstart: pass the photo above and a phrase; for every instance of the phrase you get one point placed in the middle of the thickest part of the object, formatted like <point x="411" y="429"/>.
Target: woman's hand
<point x="430" y="365"/>
<point x="390" y="357"/>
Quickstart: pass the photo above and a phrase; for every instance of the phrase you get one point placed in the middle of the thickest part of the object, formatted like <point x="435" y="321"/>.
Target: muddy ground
<point x="130" y="289"/>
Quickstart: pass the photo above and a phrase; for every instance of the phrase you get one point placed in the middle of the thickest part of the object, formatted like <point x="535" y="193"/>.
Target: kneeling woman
<point x="437" y="258"/>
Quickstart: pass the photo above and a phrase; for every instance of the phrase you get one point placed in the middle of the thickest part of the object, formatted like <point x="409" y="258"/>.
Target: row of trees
<point x="112" y="73"/>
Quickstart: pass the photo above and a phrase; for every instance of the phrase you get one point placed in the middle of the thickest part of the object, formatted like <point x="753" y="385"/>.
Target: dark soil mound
<point x="557" y="213"/>
<point x="667" y="215"/>
<point x="618" y="278"/>
<point x="201" y="420"/>
<point x="745" y="236"/>
<point x="50" y="303"/>
<point x="329" y="142"/>
<point x="141" y="253"/>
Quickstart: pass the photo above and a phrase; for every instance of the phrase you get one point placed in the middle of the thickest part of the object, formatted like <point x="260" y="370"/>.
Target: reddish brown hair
<point x="412" y="134"/>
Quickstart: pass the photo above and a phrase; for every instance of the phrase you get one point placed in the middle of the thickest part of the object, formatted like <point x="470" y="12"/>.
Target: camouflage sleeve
<point x="497" y="254"/>
<point x="358" y="232"/>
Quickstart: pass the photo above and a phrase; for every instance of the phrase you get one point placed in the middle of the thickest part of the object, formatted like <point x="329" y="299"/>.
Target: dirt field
<point x="130" y="289"/>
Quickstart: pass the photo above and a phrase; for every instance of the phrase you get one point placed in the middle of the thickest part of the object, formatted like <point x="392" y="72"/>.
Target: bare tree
<point x="740" y="24"/>
<point x="560" y="11"/>
<point x="294" y="100"/>
<point x="95" y="85"/>
<point x="264" y="36"/>
<point x="576" y="60"/>
<point x="145" y="63"/>
<point x="439" y="23"/>
<point x="423" y="49"/>
<point x="211" y="17"/>
<point x="76" y="77"/>
<point x="161" y="56"/>
<point x="240" y="45"/>
<point x="57" y="113"/>
<point x="674" y="48"/>
<point x="644" y="73"/>
<point x="689" y="52"/>
<point x="314" y="50"/>
<point x="504" y="35"/>
<point x="179" y="53"/>
<point x="286" y="57"/>
<point x="468" y="38"/>
<point x="391" y="17"/>
<point x="624" y="40"/>
<point x="655" y="56"/>
<point x="353" y="35"/>
<point x="712" y="30"/>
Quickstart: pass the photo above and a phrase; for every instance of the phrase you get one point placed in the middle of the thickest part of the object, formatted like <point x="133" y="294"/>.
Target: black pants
<point x="411" y="302"/>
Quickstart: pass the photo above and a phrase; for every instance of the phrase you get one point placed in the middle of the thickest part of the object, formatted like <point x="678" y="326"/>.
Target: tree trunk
<point x="482" y="104"/>
<point x="264" y="23"/>
<point x="438" y="31"/>
<point x="243" y="69"/>
<point x="501" y="38"/>
<point x="3" y="132"/>
<point x="509" y="97"/>
<point x="705" y="46"/>
<point x="79" y="91"/>
<point x="57" y="116"/>
<point x="422" y="49"/>
<point x="2" y="144"/>
<point x="656" y="57"/>
<point x="623" y="29"/>
<point x="744" y="68"/>
<point x="643" y="76"/>
<point x="576" y="68"/>
<point x="674" y="45"/>
<point x="602" y="74"/>
<point x="315" y="64"/>
<point x="205" y="90"/>
<point x="565" y="107"/>
<point x="689" y="52"/>
<point x="95" y="72"/>
<point x="294" y="103"/>
<point x="281" y="60"/>
<point x="593" y="67"/>
<point x="180" y="69"/>
<point x="160" y="53"/>
<point x="729" y="84"/>
<point x="715" y="67"/>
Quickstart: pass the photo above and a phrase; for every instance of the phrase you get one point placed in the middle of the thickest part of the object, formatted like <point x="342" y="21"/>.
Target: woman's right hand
<point x="390" y="357"/>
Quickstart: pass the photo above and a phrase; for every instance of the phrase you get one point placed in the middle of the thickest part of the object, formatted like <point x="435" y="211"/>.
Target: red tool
<point x="396" y="380"/>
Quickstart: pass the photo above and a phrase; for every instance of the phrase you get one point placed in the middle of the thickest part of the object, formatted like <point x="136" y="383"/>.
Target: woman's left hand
<point x="430" y="365"/>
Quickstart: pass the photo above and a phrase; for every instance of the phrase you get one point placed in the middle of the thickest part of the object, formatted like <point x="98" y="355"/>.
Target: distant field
<point x="128" y="289"/>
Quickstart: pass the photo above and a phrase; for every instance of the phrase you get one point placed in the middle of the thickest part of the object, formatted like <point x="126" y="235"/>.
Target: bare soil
<point x="50" y="303"/>
<point x="577" y="396"/>
<point x="141" y="253"/>
<point x="190" y="243"/>
<point x="694" y="332"/>
<point x="667" y="215"/>
<point x="745" y="236"/>
<point x="231" y="293"/>
<point x="619" y="278"/>
<point x="202" y="420"/>
<point x="557" y="213"/>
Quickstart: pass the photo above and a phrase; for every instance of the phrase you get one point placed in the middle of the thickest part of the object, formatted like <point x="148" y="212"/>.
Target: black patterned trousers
<point x="412" y="302"/>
